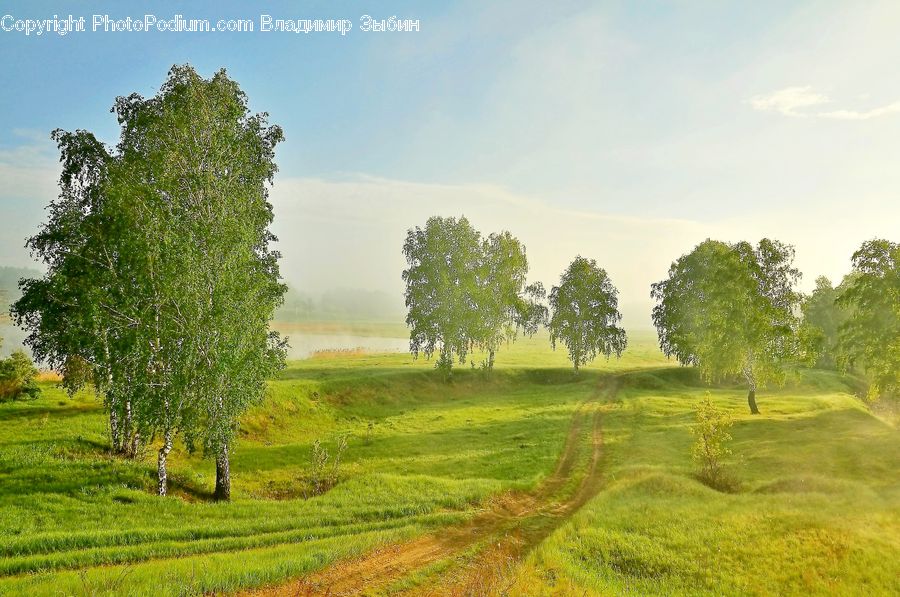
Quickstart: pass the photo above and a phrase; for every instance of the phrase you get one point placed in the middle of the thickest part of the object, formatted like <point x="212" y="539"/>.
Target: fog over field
<point x="347" y="233"/>
<point x="355" y="228"/>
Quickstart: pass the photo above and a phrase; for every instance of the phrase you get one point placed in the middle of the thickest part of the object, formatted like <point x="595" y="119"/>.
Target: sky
<point x="626" y="132"/>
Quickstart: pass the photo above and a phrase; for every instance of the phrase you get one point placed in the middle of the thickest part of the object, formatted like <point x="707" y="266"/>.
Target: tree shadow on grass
<point x="35" y="412"/>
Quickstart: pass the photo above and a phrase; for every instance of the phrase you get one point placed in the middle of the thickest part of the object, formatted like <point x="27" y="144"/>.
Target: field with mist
<point x="527" y="481"/>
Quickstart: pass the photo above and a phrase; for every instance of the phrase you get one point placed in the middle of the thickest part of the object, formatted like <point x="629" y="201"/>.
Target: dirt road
<point x="476" y="558"/>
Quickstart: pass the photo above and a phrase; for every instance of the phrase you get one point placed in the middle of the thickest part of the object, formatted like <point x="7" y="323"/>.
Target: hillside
<point x="529" y="479"/>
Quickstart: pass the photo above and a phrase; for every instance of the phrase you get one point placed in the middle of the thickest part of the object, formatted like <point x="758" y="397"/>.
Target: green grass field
<point x="816" y="509"/>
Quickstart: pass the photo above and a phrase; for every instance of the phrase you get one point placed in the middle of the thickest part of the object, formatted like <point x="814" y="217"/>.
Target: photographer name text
<point x="264" y="23"/>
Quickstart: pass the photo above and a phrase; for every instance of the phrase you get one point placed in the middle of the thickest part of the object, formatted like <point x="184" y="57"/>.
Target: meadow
<point x="524" y="481"/>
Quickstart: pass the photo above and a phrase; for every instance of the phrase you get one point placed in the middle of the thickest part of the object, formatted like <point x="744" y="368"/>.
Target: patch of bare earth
<point x="482" y="553"/>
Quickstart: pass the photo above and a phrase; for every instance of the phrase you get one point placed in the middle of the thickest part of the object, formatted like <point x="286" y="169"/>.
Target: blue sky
<point x="625" y="131"/>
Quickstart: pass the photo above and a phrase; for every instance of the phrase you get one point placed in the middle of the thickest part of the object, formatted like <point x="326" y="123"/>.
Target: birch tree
<point x="464" y="291"/>
<point x="870" y="335"/>
<point x="75" y="315"/>
<point x="584" y="313"/>
<point x="442" y="290"/>
<point x="731" y="310"/>
<point x="501" y="280"/>
<point x="198" y="165"/>
<point x="161" y="280"/>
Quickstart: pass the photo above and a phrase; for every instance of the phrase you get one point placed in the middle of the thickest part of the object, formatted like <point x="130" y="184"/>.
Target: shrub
<point x="711" y="433"/>
<point x="17" y="375"/>
<point x="325" y="471"/>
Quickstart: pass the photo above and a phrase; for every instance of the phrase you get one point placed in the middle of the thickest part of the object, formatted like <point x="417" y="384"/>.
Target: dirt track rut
<point x="480" y="553"/>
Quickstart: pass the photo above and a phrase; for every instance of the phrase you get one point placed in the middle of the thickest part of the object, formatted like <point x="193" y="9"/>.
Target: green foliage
<point x="17" y="376"/>
<point x="822" y="317"/>
<point x="442" y="289"/>
<point x="9" y="285"/>
<point x="161" y="280"/>
<point x="585" y="311"/>
<point x="731" y="310"/>
<point x="464" y="292"/>
<point x="500" y="276"/>
<point x="870" y="336"/>
<point x="710" y="437"/>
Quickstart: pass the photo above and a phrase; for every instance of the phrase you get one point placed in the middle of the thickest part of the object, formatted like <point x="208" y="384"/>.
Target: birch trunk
<point x="131" y="439"/>
<point x="114" y="431"/>
<point x="161" y="464"/>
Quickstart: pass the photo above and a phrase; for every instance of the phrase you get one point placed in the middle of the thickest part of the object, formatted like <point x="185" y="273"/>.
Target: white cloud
<point x="795" y="101"/>
<point x="862" y="115"/>
<point x="789" y="101"/>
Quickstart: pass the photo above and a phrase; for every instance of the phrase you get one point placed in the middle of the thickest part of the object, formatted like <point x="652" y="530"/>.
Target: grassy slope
<point x="435" y="450"/>
<point x="818" y="508"/>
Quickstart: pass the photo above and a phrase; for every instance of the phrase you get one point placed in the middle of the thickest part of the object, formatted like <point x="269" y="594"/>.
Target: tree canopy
<point x="870" y="336"/>
<point x="161" y="280"/>
<point x="585" y="313"/>
<point x="464" y="291"/>
<point x="822" y="318"/>
<point x="730" y="309"/>
<point x="442" y="290"/>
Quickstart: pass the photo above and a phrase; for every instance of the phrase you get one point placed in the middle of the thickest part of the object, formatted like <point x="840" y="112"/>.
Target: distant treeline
<point x="345" y="304"/>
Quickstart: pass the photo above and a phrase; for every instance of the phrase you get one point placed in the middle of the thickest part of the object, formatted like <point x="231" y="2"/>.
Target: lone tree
<point x="870" y="337"/>
<point x="160" y="281"/>
<point x="729" y="309"/>
<point x="585" y="313"/>
<point x="710" y="446"/>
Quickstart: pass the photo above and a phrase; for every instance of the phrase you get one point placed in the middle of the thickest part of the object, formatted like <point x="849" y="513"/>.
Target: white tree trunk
<point x="161" y="463"/>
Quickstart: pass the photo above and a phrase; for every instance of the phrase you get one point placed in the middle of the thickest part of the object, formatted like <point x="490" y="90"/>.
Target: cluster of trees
<point x="160" y="284"/>
<point x="465" y="291"/>
<point x="160" y="281"/>
<point x="857" y="325"/>
<point x="733" y="310"/>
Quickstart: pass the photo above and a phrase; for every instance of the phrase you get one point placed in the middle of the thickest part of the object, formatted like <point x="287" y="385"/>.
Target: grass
<point x="816" y="509"/>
